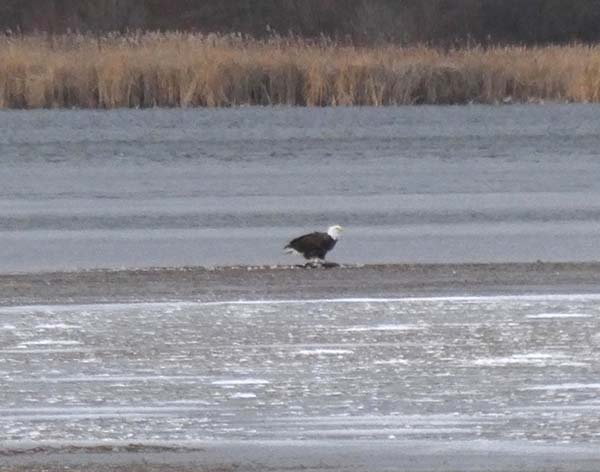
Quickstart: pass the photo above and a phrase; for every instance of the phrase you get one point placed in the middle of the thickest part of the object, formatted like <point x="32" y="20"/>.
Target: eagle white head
<point x="335" y="232"/>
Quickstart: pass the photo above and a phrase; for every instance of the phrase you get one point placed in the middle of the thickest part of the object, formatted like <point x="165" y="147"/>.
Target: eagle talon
<point x="314" y="264"/>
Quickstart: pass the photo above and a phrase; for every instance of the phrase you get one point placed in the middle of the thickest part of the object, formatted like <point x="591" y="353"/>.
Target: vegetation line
<point x="193" y="70"/>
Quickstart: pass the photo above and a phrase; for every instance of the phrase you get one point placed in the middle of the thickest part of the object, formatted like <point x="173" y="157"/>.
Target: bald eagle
<point x="314" y="246"/>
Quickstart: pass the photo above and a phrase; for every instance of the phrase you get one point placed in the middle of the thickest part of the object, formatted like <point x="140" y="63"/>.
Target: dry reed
<point x="189" y="70"/>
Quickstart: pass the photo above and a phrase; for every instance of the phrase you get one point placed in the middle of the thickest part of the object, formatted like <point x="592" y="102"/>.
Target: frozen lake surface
<point x="422" y="383"/>
<point x="139" y="188"/>
<point x="495" y="369"/>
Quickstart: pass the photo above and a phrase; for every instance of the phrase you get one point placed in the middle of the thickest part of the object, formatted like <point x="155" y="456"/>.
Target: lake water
<point x="138" y="188"/>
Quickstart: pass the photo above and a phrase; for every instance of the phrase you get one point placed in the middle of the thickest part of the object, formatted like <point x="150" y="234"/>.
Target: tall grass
<point x="188" y="70"/>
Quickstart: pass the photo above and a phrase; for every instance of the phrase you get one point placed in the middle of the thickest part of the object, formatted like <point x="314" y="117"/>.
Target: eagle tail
<point x="290" y="250"/>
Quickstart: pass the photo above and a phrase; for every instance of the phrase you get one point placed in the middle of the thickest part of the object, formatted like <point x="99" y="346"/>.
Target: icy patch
<point x="243" y="395"/>
<point x="53" y="309"/>
<point x="545" y="316"/>
<point x="324" y="352"/>
<point x="114" y="378"/>
<point x="534" y="358"/>
<point x="49" y="342"/>
<point x="57" y="326"/>
<point x="7" y="327"/>
<point x="374" y="433"/>
<point x="95" y="412"/>
<point x="565" y="386"/>
<point x="392" y="362"/>
<point x="240" y="382"/>
<point x="26" y="352"/>
<point x="384" y="327"/>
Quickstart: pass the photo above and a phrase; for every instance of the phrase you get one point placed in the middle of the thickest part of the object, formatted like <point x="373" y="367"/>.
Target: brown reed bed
<point x="191" y="70"/>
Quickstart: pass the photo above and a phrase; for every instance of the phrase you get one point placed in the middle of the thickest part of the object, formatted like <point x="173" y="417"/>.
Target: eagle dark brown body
<point x="315" y="245"/>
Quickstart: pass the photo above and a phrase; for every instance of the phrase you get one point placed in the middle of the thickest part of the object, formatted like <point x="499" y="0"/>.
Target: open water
<point x="139" y="188"/>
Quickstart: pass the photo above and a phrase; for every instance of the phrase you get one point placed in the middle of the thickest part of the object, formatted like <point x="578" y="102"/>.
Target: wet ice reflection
<point x="439" y="368"/>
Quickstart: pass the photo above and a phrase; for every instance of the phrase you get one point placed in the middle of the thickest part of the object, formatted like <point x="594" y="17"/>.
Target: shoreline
<point x="292" y="282"/>
<point x="354" y="455"/>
